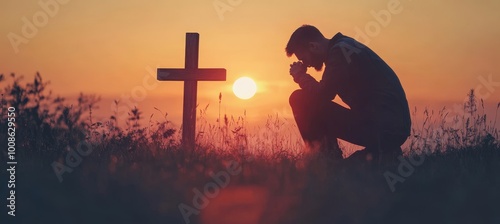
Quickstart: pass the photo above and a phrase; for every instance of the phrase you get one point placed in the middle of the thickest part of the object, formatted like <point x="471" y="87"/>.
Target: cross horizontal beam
<point x="200" y="74"/>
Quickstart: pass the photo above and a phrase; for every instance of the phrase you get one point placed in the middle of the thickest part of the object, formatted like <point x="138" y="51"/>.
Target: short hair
<point x="301" y="37"/>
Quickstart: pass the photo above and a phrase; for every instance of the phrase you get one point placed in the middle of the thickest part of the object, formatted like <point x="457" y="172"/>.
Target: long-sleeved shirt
<point x="364" y="82"/>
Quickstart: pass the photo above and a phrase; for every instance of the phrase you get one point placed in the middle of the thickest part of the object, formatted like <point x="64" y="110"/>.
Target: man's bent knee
<point x="296" y="98"/>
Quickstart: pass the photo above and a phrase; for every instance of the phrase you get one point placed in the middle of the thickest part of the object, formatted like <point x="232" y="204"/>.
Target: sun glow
<point x="244" y="88"/>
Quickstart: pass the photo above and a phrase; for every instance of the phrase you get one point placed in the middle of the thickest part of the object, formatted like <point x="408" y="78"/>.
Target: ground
<point x="454" y="187"/>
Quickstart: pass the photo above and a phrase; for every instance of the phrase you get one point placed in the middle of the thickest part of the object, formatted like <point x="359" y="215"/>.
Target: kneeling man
<point x="378" y="116"/>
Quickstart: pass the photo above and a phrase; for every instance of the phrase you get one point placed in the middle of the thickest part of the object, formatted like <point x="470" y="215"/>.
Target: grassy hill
<point x="73" y="170"/>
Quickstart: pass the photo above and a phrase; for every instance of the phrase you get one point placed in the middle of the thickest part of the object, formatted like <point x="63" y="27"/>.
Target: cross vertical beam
<point x="190" y="74"/>
<point x="190" y="91"/>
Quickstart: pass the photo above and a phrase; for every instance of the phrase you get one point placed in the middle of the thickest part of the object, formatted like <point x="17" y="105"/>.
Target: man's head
<point x="309" y="46"/>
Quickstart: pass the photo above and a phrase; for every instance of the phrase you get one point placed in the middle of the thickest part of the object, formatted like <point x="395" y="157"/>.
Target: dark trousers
<point x="319" y="119"/>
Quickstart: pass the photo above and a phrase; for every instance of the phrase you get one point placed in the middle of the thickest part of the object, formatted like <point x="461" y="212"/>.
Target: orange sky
<point x="439" y="49"/>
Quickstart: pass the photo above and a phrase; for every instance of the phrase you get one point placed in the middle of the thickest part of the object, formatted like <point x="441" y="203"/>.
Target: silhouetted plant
<point x="467" y="130"/>
<point x="44" y="124"/>
<point x="144" y="168"/>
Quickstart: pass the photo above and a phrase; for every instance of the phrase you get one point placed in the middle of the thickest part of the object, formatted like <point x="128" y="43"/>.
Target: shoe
<point x="363" y="156"/>
<point x="369" y="156"/>
<point x="330" y="149"/>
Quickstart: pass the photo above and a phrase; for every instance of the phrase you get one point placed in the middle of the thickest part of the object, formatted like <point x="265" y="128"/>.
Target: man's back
<point x="369" y="85"/>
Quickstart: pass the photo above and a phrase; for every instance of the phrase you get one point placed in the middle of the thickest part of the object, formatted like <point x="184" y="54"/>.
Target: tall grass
<point x="445" y="130"/>
<point x="144" y="169"/>
<point x="54" y="123"/>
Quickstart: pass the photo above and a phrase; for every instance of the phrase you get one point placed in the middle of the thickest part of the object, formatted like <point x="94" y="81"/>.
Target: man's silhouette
<point x="378" y="118"/>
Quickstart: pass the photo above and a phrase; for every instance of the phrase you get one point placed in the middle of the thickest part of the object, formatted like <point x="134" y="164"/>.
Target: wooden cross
<point x="190" y="74"/>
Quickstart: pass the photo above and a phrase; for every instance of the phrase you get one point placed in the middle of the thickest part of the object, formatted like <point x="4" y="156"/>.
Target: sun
<point x="244" y="88"/>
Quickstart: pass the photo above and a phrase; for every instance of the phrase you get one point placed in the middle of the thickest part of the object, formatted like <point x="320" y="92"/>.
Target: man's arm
<point x="335" y="74"/>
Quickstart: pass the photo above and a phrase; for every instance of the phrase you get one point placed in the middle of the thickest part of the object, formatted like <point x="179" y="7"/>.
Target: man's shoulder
<point x="340" y="40"/>
<point x="343" y="47"/>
